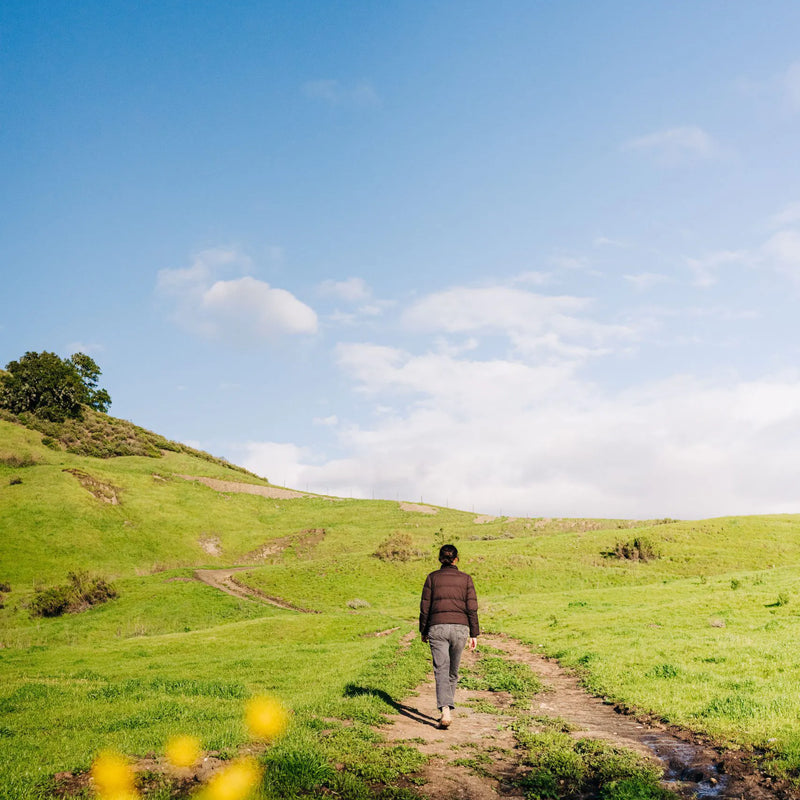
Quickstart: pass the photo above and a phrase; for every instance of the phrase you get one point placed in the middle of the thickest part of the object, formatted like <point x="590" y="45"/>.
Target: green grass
<point x="493" y="673"/>
<point x="702" y="636"/>
<point x="564" y="767"/>
<point x="61" y="704"/>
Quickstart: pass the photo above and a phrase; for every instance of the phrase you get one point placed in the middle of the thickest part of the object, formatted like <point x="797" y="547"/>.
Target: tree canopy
<point x="52" y="387"/>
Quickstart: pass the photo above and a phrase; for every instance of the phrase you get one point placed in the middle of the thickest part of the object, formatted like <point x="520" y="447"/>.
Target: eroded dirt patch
<point x="105" y="492"/>
<point x="418" y="508"/>
<point x="240" y="487"/>
<point x="211" y="545"/>
<point x="154" y="773"/>
<point x="304" y="542"/>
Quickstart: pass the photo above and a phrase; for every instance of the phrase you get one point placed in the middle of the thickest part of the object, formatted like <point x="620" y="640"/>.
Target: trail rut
<point x="223" y="580"/>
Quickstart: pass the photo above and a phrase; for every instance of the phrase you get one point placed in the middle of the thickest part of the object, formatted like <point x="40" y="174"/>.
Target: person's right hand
<point x="473" y="642"/>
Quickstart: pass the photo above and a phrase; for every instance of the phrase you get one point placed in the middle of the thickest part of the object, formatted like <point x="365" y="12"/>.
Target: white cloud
<point x="676" y="145"/>
<point x="570" y="263"/>
<point x="782" y="251"/>
<point x="493" y="437"/>
<point x="706" y="269"/>
<point x="281" y="463"/>
<point x="779" y="253"/>
<point x="604" y="241"/>
<point x="533" y="278"/>
<point x="205" y="265"/>
<point x="537" y="325"/>
<point x="335" y="93"/>
<point x="457" y="384"/>
<point x="352" y="290"/>
<point x="252" y="308"/>
<point x="526" y="433"/>
<point x="644" y="281"/>
<point x="788" y="216"/>
<point x="242" y="309"/>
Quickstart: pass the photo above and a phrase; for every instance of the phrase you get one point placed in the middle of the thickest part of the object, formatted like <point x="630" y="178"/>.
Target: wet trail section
<point x="478" y="757"/>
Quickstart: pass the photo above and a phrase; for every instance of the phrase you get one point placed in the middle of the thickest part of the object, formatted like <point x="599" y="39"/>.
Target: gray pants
<point x="447" y="644"/>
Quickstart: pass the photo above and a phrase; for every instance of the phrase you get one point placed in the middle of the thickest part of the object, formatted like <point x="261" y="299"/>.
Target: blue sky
<point x="526" y="258"/>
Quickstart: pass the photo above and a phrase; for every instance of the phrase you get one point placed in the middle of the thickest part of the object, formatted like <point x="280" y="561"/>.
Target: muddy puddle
<point x="688" y="767"/>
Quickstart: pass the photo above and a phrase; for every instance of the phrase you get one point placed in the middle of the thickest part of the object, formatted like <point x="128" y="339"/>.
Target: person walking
<point x="448" y="619"/>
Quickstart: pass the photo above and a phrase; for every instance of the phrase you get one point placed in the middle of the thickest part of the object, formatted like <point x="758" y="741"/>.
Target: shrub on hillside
<point x="80" y="593"/>
<point x="640" y="548"/>
<point x="17" y="460"/>
<point x="101" y="436"/>
<point x="398" y="547"/>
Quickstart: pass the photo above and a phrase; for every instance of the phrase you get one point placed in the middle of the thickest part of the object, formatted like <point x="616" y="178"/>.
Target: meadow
<point x="702" y="634"/>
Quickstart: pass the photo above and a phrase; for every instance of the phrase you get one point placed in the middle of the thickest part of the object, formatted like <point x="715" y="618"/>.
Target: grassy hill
<point x="702" y="634"/>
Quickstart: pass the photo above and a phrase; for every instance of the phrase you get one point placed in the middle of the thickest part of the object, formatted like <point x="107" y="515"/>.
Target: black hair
<point x="447" y="554"/>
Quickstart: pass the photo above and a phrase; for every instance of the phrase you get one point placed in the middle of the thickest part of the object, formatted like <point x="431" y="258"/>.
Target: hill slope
<point x="701" y="635"/>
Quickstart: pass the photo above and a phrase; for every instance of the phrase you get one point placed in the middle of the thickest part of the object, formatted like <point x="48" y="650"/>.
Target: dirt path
<point x="223" y="580"/>
<point x="272" y="492"/>
<point x="692" y="768"/>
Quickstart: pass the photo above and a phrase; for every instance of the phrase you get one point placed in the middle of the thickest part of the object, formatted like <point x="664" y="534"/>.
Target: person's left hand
<point x="424" y="638"/>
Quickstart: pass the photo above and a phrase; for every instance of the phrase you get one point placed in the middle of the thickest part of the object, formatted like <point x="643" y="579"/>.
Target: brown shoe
<point x="446" y="719"/>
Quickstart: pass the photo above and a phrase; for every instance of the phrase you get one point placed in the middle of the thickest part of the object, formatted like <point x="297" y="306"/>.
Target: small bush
<point x="51" y="602"/>
<point x="5" y="587"/>
<point x="356" y="603"/>
<point x="15" y="481"/>
<point x="662" y="671"/>
<point x="640" y="548"/>
<point x="80" y="593"/>
<point x="398" y="547"/>
<point x="17" y="460"/>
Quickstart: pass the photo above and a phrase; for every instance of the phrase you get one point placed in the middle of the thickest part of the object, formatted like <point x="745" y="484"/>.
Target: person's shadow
<point x="353" y="690"/>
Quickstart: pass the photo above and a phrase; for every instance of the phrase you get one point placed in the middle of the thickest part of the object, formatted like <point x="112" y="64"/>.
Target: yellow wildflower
<point x="266" y="718"/>
<point x="234" y="782"/>
<point x="183" y="751"/>
<point x="113" y="777"/>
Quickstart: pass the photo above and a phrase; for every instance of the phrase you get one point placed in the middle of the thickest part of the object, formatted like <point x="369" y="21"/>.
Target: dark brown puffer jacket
<point x="448" y="596"/>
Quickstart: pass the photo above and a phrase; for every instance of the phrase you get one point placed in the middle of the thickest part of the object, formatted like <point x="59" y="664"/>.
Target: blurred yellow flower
<point x="113" y="777"/>
<point x="183" y="751"/>
<point x="234" y="782"/>
<point x="266" y="718"/>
